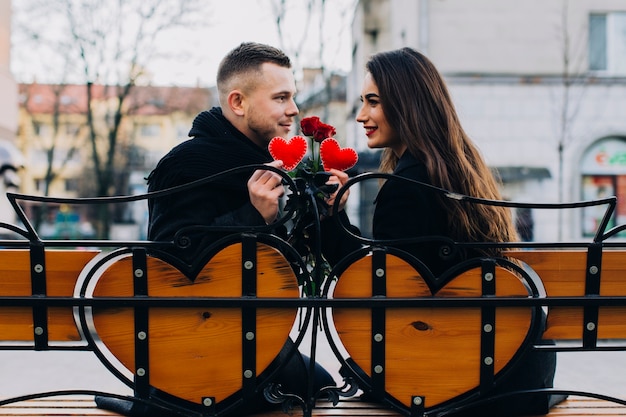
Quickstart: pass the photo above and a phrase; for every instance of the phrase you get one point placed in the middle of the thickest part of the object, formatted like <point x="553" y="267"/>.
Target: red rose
<point x="324" y="131"/>
<point x="309" y="125"/>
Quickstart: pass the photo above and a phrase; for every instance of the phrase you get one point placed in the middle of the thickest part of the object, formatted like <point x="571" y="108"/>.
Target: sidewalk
<point x="26" y="372"/>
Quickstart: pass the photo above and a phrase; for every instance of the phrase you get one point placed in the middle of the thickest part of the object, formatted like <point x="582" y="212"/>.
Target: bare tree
<point x="315" y="11"/>
<point x="109" y="45"/>
<point x="569" y="105"/>
<point x="280" y="10"/>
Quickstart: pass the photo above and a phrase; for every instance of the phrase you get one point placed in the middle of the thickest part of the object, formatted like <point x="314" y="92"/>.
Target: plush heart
<point x="433" y="352"/>
<point x="289" y="151"/>
<point x="333" y="157"/>
<point x="194" y="351"/>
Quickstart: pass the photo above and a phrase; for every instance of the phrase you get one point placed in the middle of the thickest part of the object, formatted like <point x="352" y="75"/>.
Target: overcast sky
<point x="251" y="20"/>
<point x="230" y="23"/>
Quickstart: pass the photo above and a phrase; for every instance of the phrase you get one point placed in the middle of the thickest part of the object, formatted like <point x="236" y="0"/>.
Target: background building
<point x="539" y="85"/>
<point x="54" y="139"/>
<point x="10" y="159"/>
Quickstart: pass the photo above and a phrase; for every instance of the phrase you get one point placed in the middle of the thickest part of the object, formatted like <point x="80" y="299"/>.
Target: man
<point x="256" y="90"/>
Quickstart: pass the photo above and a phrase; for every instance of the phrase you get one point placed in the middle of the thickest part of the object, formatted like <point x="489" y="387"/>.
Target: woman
<point x="407" y="111"/>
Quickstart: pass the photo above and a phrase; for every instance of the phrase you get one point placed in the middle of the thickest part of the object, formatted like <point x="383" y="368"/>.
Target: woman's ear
<point x="235" y="102"/>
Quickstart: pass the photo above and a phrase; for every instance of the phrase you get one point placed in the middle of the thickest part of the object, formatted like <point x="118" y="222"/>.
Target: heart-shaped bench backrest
<point x="194" y="352"/>
<point x="430" y="352"/>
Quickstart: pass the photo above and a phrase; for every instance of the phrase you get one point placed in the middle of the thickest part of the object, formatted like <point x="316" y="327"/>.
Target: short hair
<point x="247" y="58"/>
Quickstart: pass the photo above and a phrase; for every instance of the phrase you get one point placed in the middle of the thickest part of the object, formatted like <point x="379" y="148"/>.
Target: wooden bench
<point x="110" y="279"/>
<point x="208" y="343"/>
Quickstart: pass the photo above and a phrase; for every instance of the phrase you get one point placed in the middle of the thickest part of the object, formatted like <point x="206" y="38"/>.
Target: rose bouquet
<point x="307" y="159"/>
<point x="323" y="150"/>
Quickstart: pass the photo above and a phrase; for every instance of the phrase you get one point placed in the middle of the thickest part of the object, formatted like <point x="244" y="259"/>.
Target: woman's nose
<point x="361" y="117"/>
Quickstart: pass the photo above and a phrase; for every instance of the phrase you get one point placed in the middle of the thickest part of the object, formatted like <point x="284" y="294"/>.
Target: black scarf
<point x="216" y="147"/>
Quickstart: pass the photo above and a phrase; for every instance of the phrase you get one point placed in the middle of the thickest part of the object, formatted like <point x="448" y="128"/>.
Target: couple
<point x="406" y="111"/>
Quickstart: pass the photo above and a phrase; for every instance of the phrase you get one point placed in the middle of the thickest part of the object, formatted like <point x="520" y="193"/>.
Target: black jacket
<point x="407" y="210"/>
<point x="216" y="146"/>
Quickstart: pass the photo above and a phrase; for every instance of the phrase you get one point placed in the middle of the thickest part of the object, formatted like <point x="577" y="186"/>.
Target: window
<point x="603" y="171"/>
<point x="66" y="100"/>
<point x="40" y="184"/>
<point x="181" y="131"/>
<point x="150" y="130"/>
<point x="71" y="184"/>
<point x="71" y="129"/>
<point x="39" y="157"/>
<point x="607" y="42"/>
<point x="41" y="129"/>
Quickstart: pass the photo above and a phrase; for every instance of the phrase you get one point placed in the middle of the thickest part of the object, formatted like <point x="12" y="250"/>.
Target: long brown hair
<point x="416" y="102"/>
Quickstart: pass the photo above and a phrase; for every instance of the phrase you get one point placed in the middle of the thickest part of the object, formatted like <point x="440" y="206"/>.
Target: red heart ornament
<point x="333" y="157"/>
<point x="289" y="151"/>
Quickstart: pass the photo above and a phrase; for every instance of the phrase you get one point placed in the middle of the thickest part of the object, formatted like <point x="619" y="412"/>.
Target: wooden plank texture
<point x="434" y="351"/>
<point x="55" y="406"/>
<point x="85" y="407"/>
<point x="563" y="273"/>
<point x="62" y="269"/>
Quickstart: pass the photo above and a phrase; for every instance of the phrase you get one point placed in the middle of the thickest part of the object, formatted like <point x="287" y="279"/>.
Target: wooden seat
<point x="431" y="352"/>
<point x="85" y="407"/>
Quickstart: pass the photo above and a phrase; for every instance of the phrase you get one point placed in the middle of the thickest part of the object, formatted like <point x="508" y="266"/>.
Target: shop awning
<point x="520" y="173"/>
<point x="369" y="162"/>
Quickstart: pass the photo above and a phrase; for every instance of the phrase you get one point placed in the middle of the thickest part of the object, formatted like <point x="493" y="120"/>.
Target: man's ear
<point x="235" y="102"/>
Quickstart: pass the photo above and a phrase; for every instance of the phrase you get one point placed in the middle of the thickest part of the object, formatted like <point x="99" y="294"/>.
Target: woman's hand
<point x="340" y="178"/>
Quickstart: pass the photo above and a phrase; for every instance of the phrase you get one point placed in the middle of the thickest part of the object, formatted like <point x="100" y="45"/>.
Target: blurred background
<point x="94" y="93"/>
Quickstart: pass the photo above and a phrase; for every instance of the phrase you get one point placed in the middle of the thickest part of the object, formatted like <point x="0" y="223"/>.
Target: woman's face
<point x="378" y="131"/>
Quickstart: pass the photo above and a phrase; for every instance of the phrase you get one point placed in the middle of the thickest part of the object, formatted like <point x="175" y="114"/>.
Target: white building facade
<point x="540" y="86"/>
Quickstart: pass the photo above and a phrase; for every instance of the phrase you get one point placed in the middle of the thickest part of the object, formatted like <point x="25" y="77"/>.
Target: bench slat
<point x="563" y="273"/>
<point x="55" y="406"/>
<point x="62" y="270"/>
<point x="572" y="407"/>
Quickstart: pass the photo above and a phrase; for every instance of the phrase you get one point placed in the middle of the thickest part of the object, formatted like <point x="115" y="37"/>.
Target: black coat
<point x="216" y="146"/>
<point x="407" y="210"/>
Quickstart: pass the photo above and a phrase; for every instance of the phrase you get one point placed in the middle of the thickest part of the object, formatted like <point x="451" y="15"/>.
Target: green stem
<point x="318" y="162"/>
<point x="313" y="158"/>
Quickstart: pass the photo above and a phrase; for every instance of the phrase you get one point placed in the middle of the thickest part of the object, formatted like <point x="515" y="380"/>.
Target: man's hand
<point x="265" y="189"/>
<point x="338" y="177"/>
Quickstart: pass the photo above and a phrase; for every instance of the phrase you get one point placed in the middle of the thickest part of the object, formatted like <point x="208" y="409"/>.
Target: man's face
<point x="269" y="106"/>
